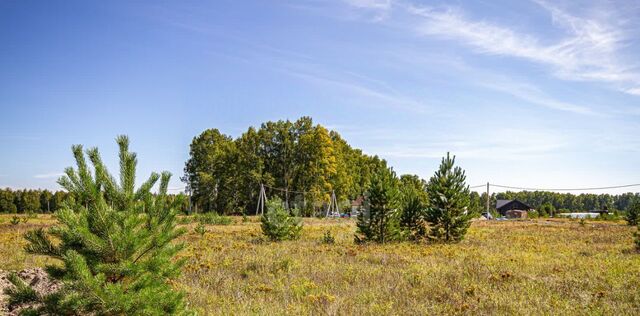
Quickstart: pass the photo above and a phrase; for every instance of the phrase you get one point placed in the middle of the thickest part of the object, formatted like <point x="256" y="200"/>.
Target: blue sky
<point x="525" y="93"/>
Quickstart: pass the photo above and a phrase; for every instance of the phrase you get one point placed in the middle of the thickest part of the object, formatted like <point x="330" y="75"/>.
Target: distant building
<point x="502" y="206"/>
<point x="516" y="214"/>
<point x="356" y="205"/>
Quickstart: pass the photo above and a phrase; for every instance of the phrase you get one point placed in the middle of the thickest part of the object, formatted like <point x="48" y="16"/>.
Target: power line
<point x="566" y="189"/>
<point x="294" y="191"/>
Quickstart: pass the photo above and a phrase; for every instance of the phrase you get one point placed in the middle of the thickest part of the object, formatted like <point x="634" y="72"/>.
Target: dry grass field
<point x="542" y="266"/>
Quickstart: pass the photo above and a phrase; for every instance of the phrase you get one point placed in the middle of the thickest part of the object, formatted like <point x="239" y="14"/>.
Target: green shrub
<point x="200" y="229"/>
<point x="15" y="220"/>
<point x="637" y="239"/>
<point x="633" y="213"/>
<point x="278" y="225"/>
<point x="213" y="218"/>
<point x="328" y="238"/>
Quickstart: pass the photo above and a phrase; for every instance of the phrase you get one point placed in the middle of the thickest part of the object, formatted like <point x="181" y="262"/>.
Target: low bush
<point x="200" y="229"/>
<point x="15" y="220"/>
<point x="328" y="238"/>
<point x="213" y="219"/>
<point x="278" y="225"/>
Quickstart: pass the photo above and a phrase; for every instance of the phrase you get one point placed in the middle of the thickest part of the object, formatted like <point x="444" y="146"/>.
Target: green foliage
<point x="277" y="224"/>
<point x="414" y="203"/>
<point x="15" y="220"/>
<point x="448" y="199"/>
<point x="200" y="229"/>
<point x="380" y="220"/>
<point x="7" y="204"/>
<point x="20" y="293"/>
<point x="546" y="209"/>
<point x="636" y="240"/>
<point x="295" y="155"/>
<point x="213" y="218"/>
<point x="633" y="213"/>
<point x="115" y="260"/>
<point x="328" y="238"/>
<point x="568" y="202"/>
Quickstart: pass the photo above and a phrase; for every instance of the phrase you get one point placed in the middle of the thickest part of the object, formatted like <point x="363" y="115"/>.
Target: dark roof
<point x="502" y="203"/>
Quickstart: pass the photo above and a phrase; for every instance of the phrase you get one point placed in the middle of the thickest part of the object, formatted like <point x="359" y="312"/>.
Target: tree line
<point x="224" y="174"/>
<point x="44" y="201"/>
<point x="558" y="201"/>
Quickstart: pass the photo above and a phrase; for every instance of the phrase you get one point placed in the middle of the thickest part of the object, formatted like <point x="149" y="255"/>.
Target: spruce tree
<point x="448" y="199"/>
<point x="379" y="221"/>
<point x="116" y="243"/>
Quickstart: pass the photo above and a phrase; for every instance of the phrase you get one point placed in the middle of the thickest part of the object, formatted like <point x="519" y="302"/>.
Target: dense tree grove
<point x="224" y="174"/>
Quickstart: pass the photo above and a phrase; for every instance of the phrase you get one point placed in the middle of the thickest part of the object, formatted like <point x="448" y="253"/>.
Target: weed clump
<point x="213" y="218"/>
<point x="328" y="238"/>
<point x="15" y="220"/>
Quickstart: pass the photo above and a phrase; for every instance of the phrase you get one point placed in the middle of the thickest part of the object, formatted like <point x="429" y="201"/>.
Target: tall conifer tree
<point x="448" y="202"/>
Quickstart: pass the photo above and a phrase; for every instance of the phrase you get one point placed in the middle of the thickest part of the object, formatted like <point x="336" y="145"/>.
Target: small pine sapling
<point x="379" y="221"/>
<point x="116" y="244"/>
<point x="278" y="225"/>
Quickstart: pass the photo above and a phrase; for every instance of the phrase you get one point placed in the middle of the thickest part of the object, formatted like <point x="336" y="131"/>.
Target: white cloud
<point x="591" y="49"/>
<point x="48" y="175"/>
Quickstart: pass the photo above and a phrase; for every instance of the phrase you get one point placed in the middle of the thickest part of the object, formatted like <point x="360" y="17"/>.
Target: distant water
<point x="579" y="215"/>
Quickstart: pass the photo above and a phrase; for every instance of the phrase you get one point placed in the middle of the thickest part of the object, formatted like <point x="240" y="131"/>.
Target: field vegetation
<point x="541" y="266"/>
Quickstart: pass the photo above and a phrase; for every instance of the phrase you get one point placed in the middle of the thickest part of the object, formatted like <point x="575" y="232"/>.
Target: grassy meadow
<point x="542" y="266"/>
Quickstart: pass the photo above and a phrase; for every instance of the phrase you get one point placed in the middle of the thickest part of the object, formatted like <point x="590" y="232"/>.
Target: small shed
<point x="516" y="214"/>
<point x="502" y="206"/>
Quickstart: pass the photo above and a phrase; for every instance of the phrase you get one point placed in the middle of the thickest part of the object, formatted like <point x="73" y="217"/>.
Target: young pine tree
<point x="379" y="221"/>
<point x="448" y="199"/>
<point x="633" y="213"/>
<point x="116" y="244"/>
<point x="412" y="219"/>
<point x="278" y="224"/>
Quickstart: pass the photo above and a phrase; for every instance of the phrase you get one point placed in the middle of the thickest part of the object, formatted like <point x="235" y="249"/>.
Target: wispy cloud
<point x="499" y="144"/>
<point x="380" y="8"/>
<point x="48" y="175"/>
<point x="357" y="87"/>
<point x="590" y="51"/>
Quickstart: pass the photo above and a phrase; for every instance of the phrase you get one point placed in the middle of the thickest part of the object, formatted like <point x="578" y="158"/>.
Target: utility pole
<point x="262" y="198"/>
<point x="488" y="197"/>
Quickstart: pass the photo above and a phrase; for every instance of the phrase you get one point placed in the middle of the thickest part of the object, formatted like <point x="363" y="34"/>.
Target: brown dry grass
<point x="514" y="267"/>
